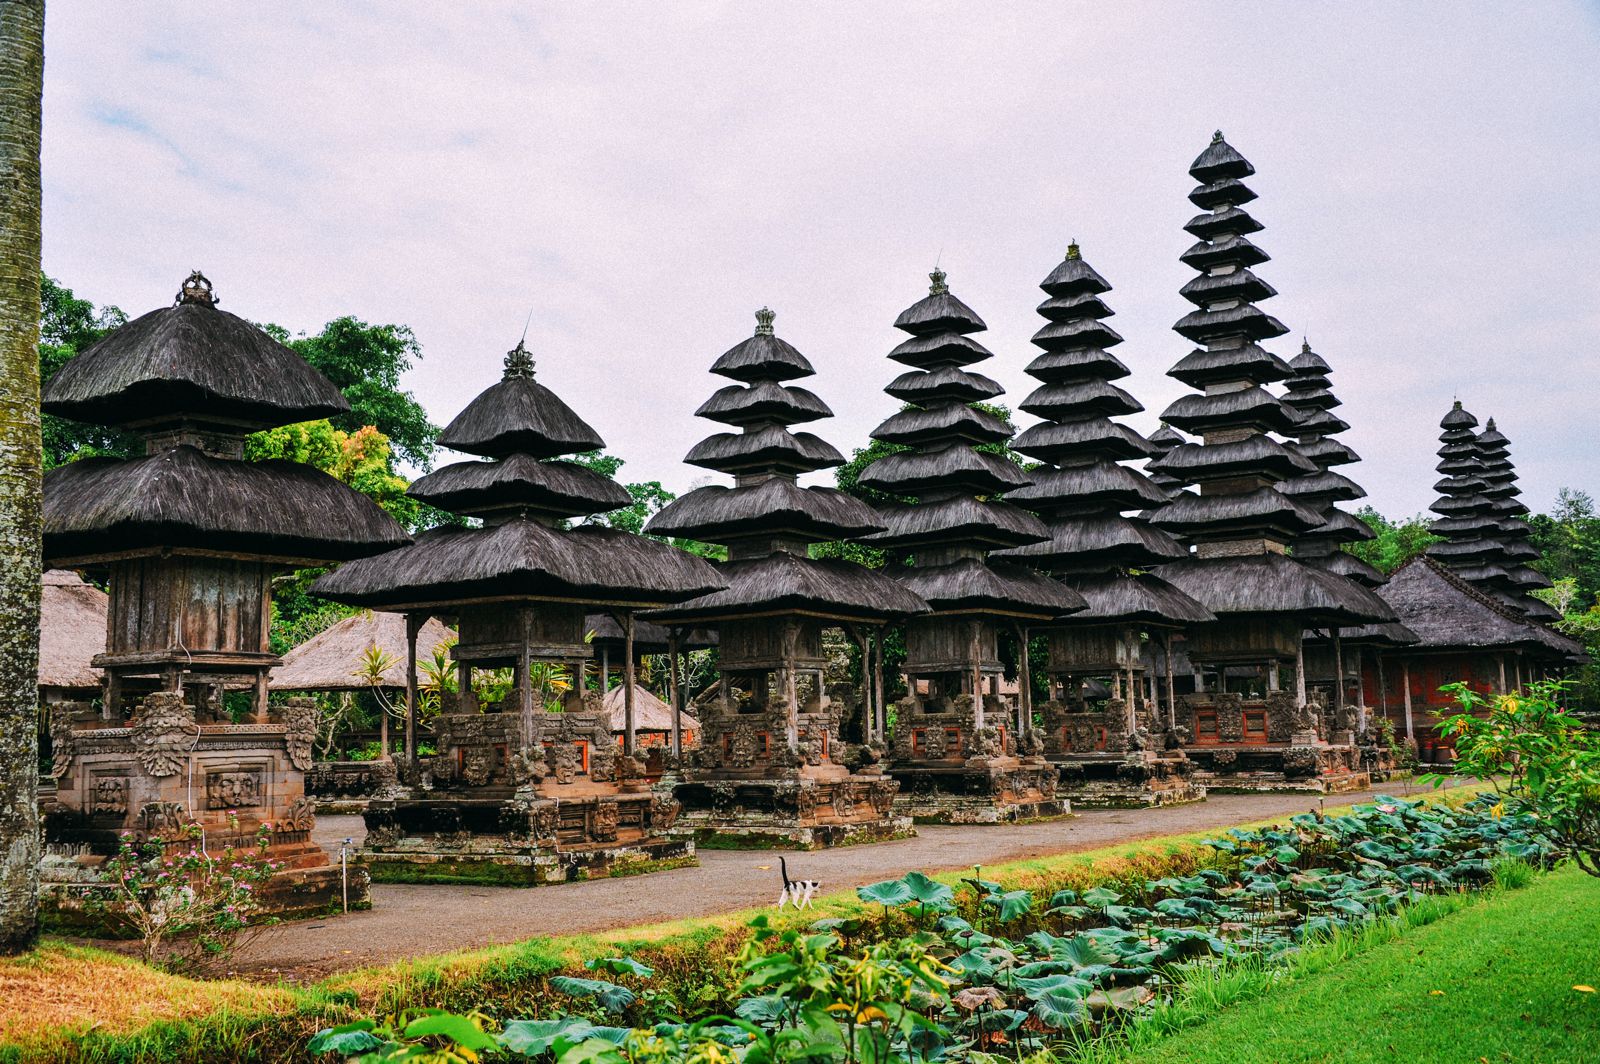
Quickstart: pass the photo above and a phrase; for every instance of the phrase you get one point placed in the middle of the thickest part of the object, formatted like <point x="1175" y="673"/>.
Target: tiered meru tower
<point x="1116" y="752"/>
<point x="772" y="765"/>
<point x="961" y="752"/>
<point x="1243" y="727"/>
<point x="534" y="788"/>
<point x="190" y="536"/>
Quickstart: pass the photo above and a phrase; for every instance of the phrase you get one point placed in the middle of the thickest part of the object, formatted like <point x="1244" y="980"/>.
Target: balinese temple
<point x="1249" y="723"/>
<point x="773" y="767"/>
<point x="1164" y="439"/>
<point x="962" y="754"/>
<point x="609" y="637"/>
<point x="1516" y="549"/>
<point x="189" y="536"/>
<point x="534" y="788"/>
<point x="1334" y="655"/>
<point x="1120" y="750"/>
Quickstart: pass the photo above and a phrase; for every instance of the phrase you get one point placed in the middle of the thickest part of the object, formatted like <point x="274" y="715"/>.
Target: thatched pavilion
<point x="1258" y="734"/>
<point x="190" y="536"/>
<point x="72" y="633"/>
<point x="960" y="752"/>
<point x="772" y="768"/>
<point x="656" y="724"/>
<point x="535" y="789"/>
<point x="1120" y="751"/>
<point x="610" y="636"/>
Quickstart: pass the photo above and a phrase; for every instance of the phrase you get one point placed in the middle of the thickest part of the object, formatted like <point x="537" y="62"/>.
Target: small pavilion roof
<point x="72" y="630"/>
<point x="1447" y="612"/>
<point x="332" y="659"/>
<point x="782" y="583"/>
<point x="519" y="415"/>
<point x="1273" y="584"/>
<point x="650" y="713"/>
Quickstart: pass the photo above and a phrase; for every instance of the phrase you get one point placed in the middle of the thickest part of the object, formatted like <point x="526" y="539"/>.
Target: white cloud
<point x="643" y="176"/>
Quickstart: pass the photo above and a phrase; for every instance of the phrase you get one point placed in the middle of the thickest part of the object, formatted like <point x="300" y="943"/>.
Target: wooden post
<point x="383" y="727"/>
<point x="1024" y="683"/>
<point x="674" y="694"/>
<point x="1274" y="681"/>
<point x="882" y="728"/>
<point x="1172" y="690"/>
<point x="525" y="679"/>
<point x="1500" y="660"/>
<point x="791" y="708"/>
<point x="977" y="677"/>
<point x="1300" y="673"/>
<point x="1518" y="660"/>
<point x="1383" y="687"/>
<point x="1405" y="687"/>
<point x="413" y="627"/>
<point x="862" y="639"/>
<point x="466" y="697"/>
<point x="605" y="668"/>
<point x="1338" y="672"/>
<point x="1361" y="696"/>
<point x="258" y="699"/>
<point x="628" y="727"/>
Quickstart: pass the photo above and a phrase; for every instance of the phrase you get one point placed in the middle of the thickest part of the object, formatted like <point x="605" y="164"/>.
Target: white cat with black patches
<point x="796" y="892"/>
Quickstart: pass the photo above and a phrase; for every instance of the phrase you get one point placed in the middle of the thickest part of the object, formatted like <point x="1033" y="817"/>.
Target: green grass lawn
<point x="1493" y="982"/>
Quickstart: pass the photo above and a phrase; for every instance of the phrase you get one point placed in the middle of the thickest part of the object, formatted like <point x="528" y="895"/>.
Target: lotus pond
<point x="932" y="971"/>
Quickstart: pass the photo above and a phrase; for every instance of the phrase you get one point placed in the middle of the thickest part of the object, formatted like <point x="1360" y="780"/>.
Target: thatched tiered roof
<point x="1082" y="492"/>
<point x="72" y="630"/>
<point x="766" y="519"/>
<point x="1516" y="548"/>
<point x="332" y="659"/>
<point x="193" y="380"/>
<point x="1447" y="612"/>
<point x="1239" y="523"/>
<point x="1310" y="395"/>
<point x="955" y="516"/>
<point x="521" y="552"/>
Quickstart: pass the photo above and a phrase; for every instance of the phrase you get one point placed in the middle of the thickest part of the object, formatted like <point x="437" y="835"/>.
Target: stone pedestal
<point x="746" y="788"/>
<point x="952" y="771"/>
<point x="346" y="787"/>
<point x="490" y="808"/>
<point x="162" y="771"/>
<point x="1243" y="745"/>
<point x="1104" y="765"/>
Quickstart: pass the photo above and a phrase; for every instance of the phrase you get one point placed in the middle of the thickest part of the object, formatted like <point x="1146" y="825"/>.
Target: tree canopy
<point x="1397" y="542"/>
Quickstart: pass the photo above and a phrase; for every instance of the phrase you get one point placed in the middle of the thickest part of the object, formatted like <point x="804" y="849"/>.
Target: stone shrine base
<point x="997" y="790"/>
<point x="1135" y="780"/>
<point x="815" y="807"/>
<point x="1276" y="768"/>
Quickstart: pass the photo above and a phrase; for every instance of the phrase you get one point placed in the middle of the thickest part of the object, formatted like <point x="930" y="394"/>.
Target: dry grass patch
<point x="64" y="989"/>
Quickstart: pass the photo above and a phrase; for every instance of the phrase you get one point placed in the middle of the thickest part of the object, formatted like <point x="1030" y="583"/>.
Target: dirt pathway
<point x="411" y="921"/>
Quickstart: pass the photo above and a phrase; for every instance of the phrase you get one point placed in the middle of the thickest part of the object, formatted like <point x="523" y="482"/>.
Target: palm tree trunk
<point x="21" y="91"/>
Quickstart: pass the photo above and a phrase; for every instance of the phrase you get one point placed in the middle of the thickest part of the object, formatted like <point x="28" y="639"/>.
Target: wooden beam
<point x="1405" y="689"/>
<point x="629" y="731"/>
<point x="674" y="694"/>
<point x="1024" y="682"/>
<point x="414" y="624"/>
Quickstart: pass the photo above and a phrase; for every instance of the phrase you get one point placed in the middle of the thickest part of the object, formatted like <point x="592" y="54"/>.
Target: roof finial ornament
<point x="1072" y="250"/>
<point x="938" y="287"/>
<point x="519" y="363"/>
<point x="1305" y="345"/>
<point x="1489" y="426"/>
<point x="764" y="318"/>
<point x="197" y="289"/>
<point x="1216" y="138"/>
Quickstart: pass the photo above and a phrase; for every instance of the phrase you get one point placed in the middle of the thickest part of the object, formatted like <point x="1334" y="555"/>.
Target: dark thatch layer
<point x="718" y="514"/>
<point x="1062" y="401"/>
<point x="959" y="519"/>
<point x="522" y="558"/>
<point x="1073" y="276"/>
<point x="1343" y="563"/>
<point x="1228" y="220"/>
<point x="939" y="311"/>
<point x="1075" y="364"/>
<point x="1273" y="584"/>
<point x="1083" y="304"/>
<point x="1224" y="251"/>
<point x="1226" y="192"/>
<point x="947" y="421"/>
<point x="1208" y="289"/>
<point x="1326" y="452"/>
<point x="1447" y="612"/>
<point x="1051" y="441"/>
<point x="1100" y="485"/>
<point x="1096" y="541"/>
<point x="332" y="659"/>
<point x="940" y="350"/>
<point x="783" y="583"/>
<point x="1325" y="486"/>
<point x="191" y="361"/>
<point x="944" y="383"/>
<point x="768" y="449"/>
<point x="1219" y="161"/>
<point x="763" y="401"/>
<point x="997" y="587"/>
<point x="1083" y="332"/>
<point x="183" y="498"/>
<point x="1252" y="407"/>
<point x="561" y="489"/>
<point x="72" y="630"/>
<point x="762" y="357"/>
<point x="1251" y="362"/>
<point x="1143" y="599"/>
<point x="1189" y="463"/>
<point x="1260" y="512"/>
<point x="957" y="468"/>
<point x="1202" y="326"/>
<point x="519" y="415"/>
<point x="648" y="637"/>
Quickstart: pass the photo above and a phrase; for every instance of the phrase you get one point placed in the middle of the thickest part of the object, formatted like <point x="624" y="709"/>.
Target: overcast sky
<point x="642" y="177"/>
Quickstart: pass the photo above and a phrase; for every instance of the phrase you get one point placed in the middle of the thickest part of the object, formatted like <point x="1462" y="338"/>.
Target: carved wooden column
<point x="413" y="627"/>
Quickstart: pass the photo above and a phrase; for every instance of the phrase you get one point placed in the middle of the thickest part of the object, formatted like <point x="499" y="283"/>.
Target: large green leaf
<point x="534" y="1037"/>
<point x="612" y="998"/>
<point x="348" y="1039"/>
<point x="930" y="893"/>
<point x="1061" y="1009"/>
<point x="620" y="966"/>
<point x="888" y="893"/>
<point x="1010" y="904"/>
<point x="459" y="1029"/>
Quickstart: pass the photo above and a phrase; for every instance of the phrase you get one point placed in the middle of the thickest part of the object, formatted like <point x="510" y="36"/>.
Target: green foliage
<point x="1568" y="539"/>
<point x="1397" y="542"/>
<point x="648" y="498"/>
<point x="1540" y="759"/>
<point x="68" y="325"/>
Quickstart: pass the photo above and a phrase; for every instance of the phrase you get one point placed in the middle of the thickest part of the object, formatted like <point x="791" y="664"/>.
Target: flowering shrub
<point x="1539" y="759"/>
<point x="187" y="905"/>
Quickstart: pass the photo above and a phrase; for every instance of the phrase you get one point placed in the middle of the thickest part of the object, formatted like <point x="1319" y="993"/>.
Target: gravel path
<point x="411" y="921"/>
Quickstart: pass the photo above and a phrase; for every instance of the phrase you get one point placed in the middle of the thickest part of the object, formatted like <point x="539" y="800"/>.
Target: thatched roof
<point x="330" y="660"/>
<point x="946" y="382"/>
<point x="768" y="448"/>
<point x="1098" y="541"/>
<point x="183" y="497"/>
<point x="648" y="637"/>
<point x="959" y="518"/>
<point x="558" y="489"/>
<point x="718" y="514"/>
<point x="763" y="401"/>
<point x="1099" y="485"/>
<point x="1051" y="441"/>
<point x="1218" y="161"/>
<point x="763" y="356"/>
<point x="650" y="714"/>
<point x="997" y="588"/>
<point x="1250" y="361"/>
<point x="954" y="468"/>
<point x="522" y="558"/>
<point x="1252" y="407"/>
<point x="1273" y="584"/>
<point x="1447" y="612"/>
<point x="519" y="415"/>
<point x="72" y="630"/>
<point x="783" y="583"/>
<point x="1245" y="515"/>
<point x="1143" y="599"/>
<point x="1256" y="455"/>
<point x="190" y="361"/>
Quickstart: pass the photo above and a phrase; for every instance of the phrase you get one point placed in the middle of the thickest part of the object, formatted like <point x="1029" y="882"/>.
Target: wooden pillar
<point x="861" y="638"/>
<point x="1519" y="671"/>
<point x="111" y="697"/>
<point x="1300" y="673"/>
<point x="674" y="694"/>
<point x="1199" y="677"/>
<point x="605" y="668"/>
<point x="881" y="708"/>
<point x="629" y="731"/>
<point x="1361" y="695"/>
<point x="1172" y="690"/>
<point x="466" y="697"/>
<point x="413" y="627"/>
<point x="1274" y="679"/>
<point x="383" y="724"/>
<point x="1383" y="687"/>
<point x="1338" y="671"/>
<point x="1500" y="660"/>
<point x="525" y="679"/>
<point x="977" y="676"/>
<point x="791" y="708"/>
<point x="1405" y="688"/>
<point x="1024" y="682"/>
<point x="258" y="697"/>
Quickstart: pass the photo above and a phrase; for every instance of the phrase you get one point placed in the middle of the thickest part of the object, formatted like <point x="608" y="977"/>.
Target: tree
<point x="1397" y="542"/>
<point x="21" y="467"/>
<point x="68" y="325"/>
<point x="648" y="497"/>
<point x="365" y="363"/>
<point x="1568" y="539"/>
